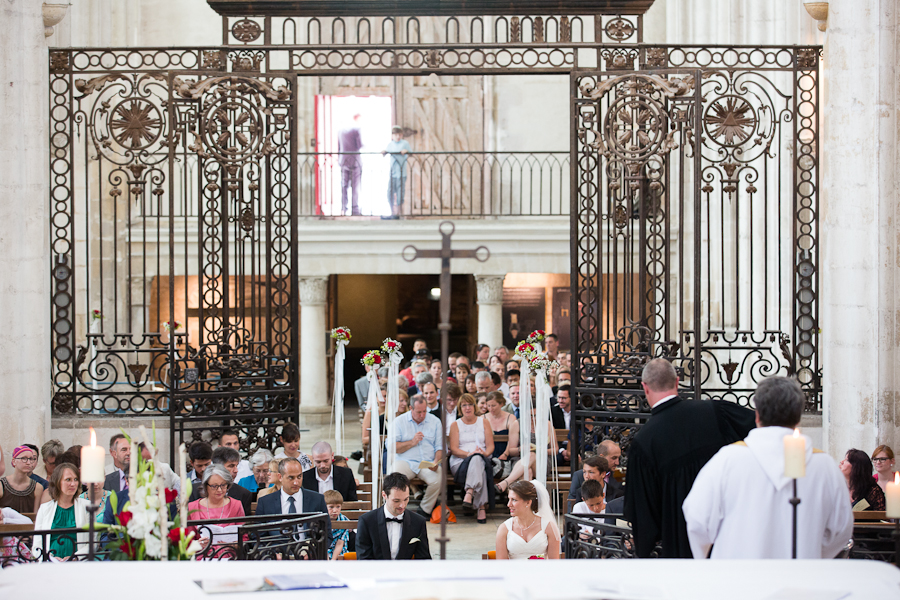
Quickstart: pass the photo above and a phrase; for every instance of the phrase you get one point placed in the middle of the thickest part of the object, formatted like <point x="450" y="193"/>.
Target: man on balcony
<point x="398" y="149"/>
<point x="349" y="145"/>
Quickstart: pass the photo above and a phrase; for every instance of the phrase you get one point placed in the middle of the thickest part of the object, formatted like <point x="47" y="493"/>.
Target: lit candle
<point x="182" y="472"/>
<point x="794" y="455"/>
<point x="892" y="496"/>
<point x="93" y="461"/>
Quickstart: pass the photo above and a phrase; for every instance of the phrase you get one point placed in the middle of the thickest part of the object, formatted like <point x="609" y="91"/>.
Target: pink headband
<point x="20" y="449"/>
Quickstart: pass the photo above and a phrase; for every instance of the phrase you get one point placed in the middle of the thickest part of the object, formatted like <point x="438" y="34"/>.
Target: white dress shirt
<point x="568" y="417"/>
<point x="666" y="399"/>
<point x="298" y="501"/>
<point x="394" y="532"/>
<point x="327" y="483"/>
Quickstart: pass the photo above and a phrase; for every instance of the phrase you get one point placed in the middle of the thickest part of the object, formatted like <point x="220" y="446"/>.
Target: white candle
<point x="794" y="455"/>
<point x="93" y="461"/>
<point x="182" y="472"/>
<point x="892" y="496"/>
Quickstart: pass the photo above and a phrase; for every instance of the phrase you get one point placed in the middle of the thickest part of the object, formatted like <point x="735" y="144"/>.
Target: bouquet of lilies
<point x="341" y="334"/>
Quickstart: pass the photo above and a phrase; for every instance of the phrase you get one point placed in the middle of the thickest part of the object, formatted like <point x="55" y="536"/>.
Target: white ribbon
<point x="542" y="416"/>
<point x="392" y="404"/>
<point x="525" y="414"/>
<point x="375" y="444"/>
<point x="338" y="397"/>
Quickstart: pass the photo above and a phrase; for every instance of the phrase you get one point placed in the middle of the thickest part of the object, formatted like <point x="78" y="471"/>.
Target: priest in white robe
<point x="739" y="504"/>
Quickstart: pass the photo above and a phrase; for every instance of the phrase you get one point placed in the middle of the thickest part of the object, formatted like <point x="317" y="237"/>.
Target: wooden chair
<point x="13" y="527"/>
<point x="869" y="515"/>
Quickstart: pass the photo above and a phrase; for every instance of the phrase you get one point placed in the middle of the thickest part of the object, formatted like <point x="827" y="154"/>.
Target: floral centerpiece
<point x="144" y="529"/>
<point x="537" y="557"/>
<point x="96" y="315"/>
<point x="525" y="350"/>
<point x="171" y="326"/>
<point x="372" y="358"/>
<point x="541" y="362"/>
<point x="389" y="346"/>
<point x="341" y="334"/>
<point x="536" y="336"/>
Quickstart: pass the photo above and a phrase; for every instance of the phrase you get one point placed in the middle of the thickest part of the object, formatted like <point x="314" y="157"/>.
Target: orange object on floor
<point x="436" y="515"/>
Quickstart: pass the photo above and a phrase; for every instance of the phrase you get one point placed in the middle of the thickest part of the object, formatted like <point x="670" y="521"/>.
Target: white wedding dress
<point x="518" y="548"/>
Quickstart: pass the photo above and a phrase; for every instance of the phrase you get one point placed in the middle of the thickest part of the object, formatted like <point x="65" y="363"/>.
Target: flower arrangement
<point x="96" y="315"/>
<point x="525" y="350"/>
<point x="536" y="336"/>
<point x="143" y="529"/>
<point x="172" y="326"/>
<point x="537" y="557"/>
<point x="372" y="358"/>
<point x="341" y="334"/>
<point x="389" y="346"/>
<point x="541" y="361"/>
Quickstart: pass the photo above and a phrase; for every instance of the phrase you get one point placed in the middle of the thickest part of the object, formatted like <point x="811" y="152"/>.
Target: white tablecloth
<point x="524" y="580"/>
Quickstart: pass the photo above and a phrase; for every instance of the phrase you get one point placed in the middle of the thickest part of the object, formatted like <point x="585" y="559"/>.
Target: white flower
<point x="141" y="522"/>
<point x="194" y="547"/>
<point x="414" y="540"/>
<point x="153" y="546"/>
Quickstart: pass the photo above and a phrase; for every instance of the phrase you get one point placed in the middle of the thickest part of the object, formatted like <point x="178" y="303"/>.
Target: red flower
<point x="377" y="359"/>
<point x="124" y="517"/>
<point x="391" y="345"/>
<point x="128" y="547"/>
<point x="175" y="535"/>
<point x="170" y="495"/>
<point x="535" y="558"/>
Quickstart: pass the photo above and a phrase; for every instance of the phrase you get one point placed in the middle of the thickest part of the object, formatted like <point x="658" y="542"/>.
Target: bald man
<point x="328" y="476"/>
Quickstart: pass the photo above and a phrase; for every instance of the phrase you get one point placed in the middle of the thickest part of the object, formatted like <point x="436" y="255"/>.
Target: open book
<point x="427" y="464"/>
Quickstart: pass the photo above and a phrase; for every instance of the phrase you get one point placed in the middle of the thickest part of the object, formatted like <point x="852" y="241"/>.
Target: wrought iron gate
<point x="694" y="227"/>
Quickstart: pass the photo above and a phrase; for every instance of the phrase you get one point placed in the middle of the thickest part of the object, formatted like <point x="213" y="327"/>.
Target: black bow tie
<point x="394" y="521"/>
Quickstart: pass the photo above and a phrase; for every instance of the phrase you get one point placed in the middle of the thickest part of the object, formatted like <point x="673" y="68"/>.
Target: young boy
<point x="592" y="493"/>
<point x="290" y="442"/>
<point x="339" y="537"/>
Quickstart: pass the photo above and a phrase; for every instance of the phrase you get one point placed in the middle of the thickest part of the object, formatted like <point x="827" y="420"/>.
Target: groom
<point x="392" y="532"/>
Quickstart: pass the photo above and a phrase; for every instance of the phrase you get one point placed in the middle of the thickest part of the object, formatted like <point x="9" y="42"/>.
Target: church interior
<point x="218" y="213"/>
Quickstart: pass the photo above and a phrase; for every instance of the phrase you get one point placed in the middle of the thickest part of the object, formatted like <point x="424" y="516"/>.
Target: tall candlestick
<point x="892" y="496"/>
<point x="182" y="472"/>
<point x="93" y="461"/>
<point x="794" y="455"/>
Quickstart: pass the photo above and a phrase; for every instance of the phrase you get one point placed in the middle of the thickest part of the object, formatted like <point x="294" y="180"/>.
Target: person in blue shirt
<point x="418" y="437"/>
<point x="399" y="150"/>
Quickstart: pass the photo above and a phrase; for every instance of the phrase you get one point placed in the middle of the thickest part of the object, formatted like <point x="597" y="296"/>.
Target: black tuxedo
<point x="237" y="492"/>
<point x="372" y="541"/>
<point x="557" y="417"/>
<point x="343" y="482"/>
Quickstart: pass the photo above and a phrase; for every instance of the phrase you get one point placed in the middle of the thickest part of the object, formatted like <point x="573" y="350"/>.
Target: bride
<point x="531" y="530"/>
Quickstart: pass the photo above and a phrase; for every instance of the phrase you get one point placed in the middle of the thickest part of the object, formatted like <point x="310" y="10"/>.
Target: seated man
<point x="418" y="438"/>
<point x="328" y="476"/>
<point x="229" y="458"/>
<point x="200" y="457"/>
<point x="293" y="499"/>
<point x="561" y="415"/>
<point x="512" y="407"/>
<point x="595" y="467"/>
<point x="392" y="532"/>
<point x="230" y="439"/>
<point x="120" y="451"/>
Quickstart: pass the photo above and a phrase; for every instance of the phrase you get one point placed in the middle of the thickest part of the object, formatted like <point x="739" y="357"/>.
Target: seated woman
<point x="101" y="496"/>
<point x="864" y="491"/>
<point x="504" y="423"/>
<point x="274" y="481"/>
<point x="65" y="510"/>
<point x="883" y="459"/>
<point x="216" y="505"/>
<point x="470" y="385"/>
<point x="462" y="372"/>
<point x="531" y="529"/>
<point x="259" y="464"/>
<point x="12" y="549"/>
<point x="17" y="490"/>
<point x="471" y="450"/>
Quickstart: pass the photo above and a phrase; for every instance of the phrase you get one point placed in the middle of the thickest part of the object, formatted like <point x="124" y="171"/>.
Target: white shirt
<point x="582" y="508"/>
<point x="244" y="470"/>
<point x="394" y="532"/>
<point x="666" y="399"/>
<point x="567" y="416"/>
<point x="298" y="501"/>
<point x="327" y="483"/>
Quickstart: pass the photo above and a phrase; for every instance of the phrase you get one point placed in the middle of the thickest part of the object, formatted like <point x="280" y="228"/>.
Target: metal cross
<point x="481" y="254"/>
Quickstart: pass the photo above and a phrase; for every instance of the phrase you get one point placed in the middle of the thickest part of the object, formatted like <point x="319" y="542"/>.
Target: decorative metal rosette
<point x="536" y="336"/>
<point x="372" y="358"/>
<point x="341" y="334"/>
<point x="389" y="346"/>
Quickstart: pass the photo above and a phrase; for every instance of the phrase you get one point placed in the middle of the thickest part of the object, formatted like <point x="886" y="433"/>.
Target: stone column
<point x="314" y="406"/>
<point x="490" y="309"/>
<point x="24" y="262"/>
<point x="859" y="249"/>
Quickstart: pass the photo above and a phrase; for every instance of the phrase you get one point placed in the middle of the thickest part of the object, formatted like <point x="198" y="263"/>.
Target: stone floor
<point x="468" y="538"/>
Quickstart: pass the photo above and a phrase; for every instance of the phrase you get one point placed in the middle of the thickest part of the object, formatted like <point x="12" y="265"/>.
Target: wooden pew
<point x="13" y="527"/>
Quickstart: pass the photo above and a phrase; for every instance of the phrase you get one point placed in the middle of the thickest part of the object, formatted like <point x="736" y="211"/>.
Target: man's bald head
<point x="322" y="448"/>
<point x="659" y="375"/>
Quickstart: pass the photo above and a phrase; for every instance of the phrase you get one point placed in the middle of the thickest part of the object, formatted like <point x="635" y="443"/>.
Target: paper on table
<point x="444" y="590"/>
<point x="226" y="586"/>
<point x="808" y="594"/>
<point x="305" y="581"/>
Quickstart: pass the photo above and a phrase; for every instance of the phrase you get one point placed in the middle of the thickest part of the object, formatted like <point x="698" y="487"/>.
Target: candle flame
<point x="93" y="438"/>
<point x="796" y="433"/>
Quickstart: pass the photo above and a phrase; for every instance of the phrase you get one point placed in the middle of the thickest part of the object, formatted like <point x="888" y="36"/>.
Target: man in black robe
<point x="666" y="455"/>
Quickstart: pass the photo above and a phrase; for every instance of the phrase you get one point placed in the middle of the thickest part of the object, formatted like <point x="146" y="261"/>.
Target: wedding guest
<point x="481" y="404"/>
<point x="200" y="457"/>
<point x="290" y="441"/>
<point x="259" y="478"/>
<point x="436" y="371"/>
<point x="64" y="511"/>
<point x="217" y="480"/>
<point x="551" y="345"/>
<point x="883" y="459"/>
<point x="594" y="468"/>
<point x="34" y="477"/>
<point x="513" y="406"/>
<point x="327" y="476"/>
<point x="502" y="423"/>
<point x="398" y="148"/>
<point x="392" y="532"/>
<point x="421" y="379"/>
<point x="17" y="490"/>
<point x="864" y="491"/>
<point x="101" y="496"/>
<point x="531" y="530"/>
<point x="230" y="439"/>
<point x="471" y="383"/>
<point x="430" y="393"/>
<point x="451" y="362"/>
<point x="293" y="499"/>
<point x="503" y="353"/>
<point x="274" y="483"/>
<point x="120" y="452"/>
<point x="462" y="372"/>
<point x="483" y="383"/>
<point x="13" y="550"/>
<point x="418" y="438"/>
<point x="478" y="367"/>
<point x="482" y="353"/>
<point x="402" y="403"/>
<point x="361" y="388"/>
<point x="340" y="539"/>
<point x="471" y="450"/>
<point x="49" y="453"/>
<point x="451" y="402"/>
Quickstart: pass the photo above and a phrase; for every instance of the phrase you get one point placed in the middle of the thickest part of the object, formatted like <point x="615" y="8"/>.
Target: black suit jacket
<point x="558" y="418"/>
<point x="614" y="489"/>
<point x="112" y="482"/>
<point x="343" y="482"/>
<point x="237" y="492"/>
<point x="313" y="502"/>
<point x="372" y="540"/>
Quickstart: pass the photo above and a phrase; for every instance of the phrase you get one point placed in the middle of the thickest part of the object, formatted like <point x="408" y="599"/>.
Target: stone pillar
<point x="859" y="249"/>
<point x="24" y="262"/>
<point x="314" y="406"/>
<point x="490" y="309"/>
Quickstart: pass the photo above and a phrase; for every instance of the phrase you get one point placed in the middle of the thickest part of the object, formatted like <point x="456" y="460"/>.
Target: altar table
<point x="522" y="580"/>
